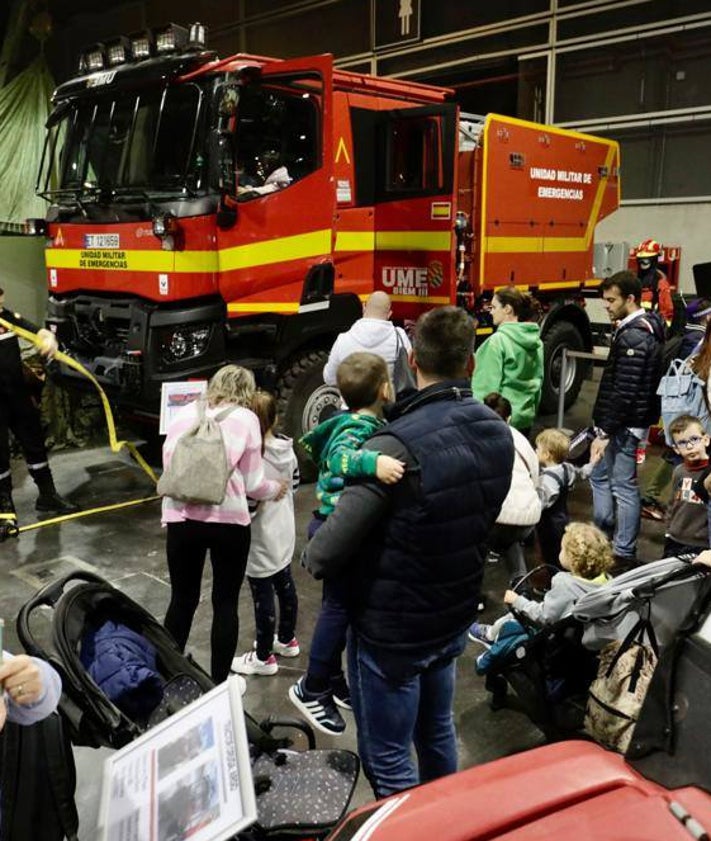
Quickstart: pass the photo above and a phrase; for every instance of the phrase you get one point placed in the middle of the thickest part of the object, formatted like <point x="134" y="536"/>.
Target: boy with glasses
<point x="688" y="528"/>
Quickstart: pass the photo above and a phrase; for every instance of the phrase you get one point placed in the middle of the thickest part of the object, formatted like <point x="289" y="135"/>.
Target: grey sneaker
<point x="478" y="632"/>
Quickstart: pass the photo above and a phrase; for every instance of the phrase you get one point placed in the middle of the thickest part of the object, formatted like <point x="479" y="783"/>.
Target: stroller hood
<point x="666" y="588"/>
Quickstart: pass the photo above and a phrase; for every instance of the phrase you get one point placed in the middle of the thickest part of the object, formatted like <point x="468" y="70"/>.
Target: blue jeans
<point x="399" y="701"/>
<point x="329" y="638"/>
<point x="616" y="500"/>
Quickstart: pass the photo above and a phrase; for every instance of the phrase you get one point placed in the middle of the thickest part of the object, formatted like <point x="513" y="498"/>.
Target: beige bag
<point x="199" y="469"/>
<point x="618" y="692"/>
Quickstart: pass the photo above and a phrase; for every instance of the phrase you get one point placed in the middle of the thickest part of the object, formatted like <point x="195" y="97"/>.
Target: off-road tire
<point x="562" y="334"/>
<point x="304" y="401"/>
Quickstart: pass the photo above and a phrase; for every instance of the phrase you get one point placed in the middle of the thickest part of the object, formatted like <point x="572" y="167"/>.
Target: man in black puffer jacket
<point x="413" y="555"/>
<point x="626" y="405"/>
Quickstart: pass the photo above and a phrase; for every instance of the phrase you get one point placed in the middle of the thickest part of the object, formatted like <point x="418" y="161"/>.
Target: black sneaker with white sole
<point x="318" y="708"/>
<point x="341" y="692"/>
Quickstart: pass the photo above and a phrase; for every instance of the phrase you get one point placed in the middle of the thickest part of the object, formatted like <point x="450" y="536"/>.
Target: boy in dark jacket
<point x="626" y="405"/>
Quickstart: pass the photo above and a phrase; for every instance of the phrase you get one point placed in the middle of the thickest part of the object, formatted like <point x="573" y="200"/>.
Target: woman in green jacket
<point x="511" y="360"/>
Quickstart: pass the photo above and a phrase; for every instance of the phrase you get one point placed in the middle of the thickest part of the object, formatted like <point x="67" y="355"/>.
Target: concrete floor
<point x="127" y="548"/>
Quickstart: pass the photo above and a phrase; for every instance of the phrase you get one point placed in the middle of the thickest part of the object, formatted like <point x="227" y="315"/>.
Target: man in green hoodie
<point x="511" y="361"/>
<point x="335" y="445"/>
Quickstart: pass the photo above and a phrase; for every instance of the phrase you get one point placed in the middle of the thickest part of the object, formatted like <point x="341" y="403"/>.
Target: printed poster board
<point x="189" y="777"/>
<point x="174" y="396"/>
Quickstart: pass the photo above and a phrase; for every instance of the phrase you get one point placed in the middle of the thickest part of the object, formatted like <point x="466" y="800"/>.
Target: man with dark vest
<point x="413" y="557"/>
<point x="19" y="415"/>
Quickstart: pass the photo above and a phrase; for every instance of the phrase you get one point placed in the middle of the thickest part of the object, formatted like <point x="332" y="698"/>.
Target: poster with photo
<point x="174" y="396"/>
<point x="188" y="778"/>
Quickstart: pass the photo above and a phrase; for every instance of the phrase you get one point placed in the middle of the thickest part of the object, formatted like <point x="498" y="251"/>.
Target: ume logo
<point x="405" y="280"/>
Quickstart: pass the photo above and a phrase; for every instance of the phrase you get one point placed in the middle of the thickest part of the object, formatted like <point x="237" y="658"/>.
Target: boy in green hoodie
<point x="335" y="445"/>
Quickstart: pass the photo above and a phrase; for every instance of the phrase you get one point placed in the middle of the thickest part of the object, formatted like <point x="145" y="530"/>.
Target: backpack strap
<point x="220" y="416"/>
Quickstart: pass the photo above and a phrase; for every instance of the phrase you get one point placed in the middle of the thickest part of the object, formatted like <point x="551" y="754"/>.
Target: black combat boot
<point x="49" y="499"/>
<point x="8" y="518"/>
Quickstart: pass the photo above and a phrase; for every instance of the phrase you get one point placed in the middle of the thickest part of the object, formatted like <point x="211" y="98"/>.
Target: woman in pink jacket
<point x="222" y="529"/>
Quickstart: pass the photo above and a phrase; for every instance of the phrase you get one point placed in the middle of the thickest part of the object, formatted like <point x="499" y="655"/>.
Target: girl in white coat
<point x="271" y="551"/>
<point x="521" y="510"/>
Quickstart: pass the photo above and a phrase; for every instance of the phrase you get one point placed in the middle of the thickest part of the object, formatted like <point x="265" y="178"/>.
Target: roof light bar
<point x="171" y="38"/>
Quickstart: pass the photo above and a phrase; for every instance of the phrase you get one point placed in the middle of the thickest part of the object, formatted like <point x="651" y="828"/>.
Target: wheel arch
<point x="573" y="314"/>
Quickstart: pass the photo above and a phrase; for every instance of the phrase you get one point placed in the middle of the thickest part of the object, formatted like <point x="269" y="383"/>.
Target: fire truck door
<point x="285" y="200"/>
<point x="414" y="211"/>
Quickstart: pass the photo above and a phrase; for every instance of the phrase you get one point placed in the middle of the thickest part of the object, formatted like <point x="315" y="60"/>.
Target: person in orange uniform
<point x="656" y="290"/>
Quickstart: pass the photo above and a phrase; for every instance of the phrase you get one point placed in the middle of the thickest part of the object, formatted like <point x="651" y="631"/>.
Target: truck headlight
<point x="178" y="344"/>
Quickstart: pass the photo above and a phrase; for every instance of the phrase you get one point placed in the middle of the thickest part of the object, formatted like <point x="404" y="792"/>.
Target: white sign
<point x="188" y="777"/>
<point x="163" y="286"/>
<point x="174" y="396"/>
<point x="102" y="241"/>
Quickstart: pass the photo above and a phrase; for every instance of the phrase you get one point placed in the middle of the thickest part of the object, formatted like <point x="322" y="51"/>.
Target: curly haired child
<point x="586" y="559"/>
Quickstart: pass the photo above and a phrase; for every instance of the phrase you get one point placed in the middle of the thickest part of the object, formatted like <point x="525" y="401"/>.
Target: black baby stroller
<point x="550" y="669"/>
<point x="299" y="794"/>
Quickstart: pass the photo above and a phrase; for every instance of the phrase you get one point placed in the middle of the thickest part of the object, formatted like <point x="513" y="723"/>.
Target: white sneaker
<point x="250" y="664"/>
<point x="286" y="649"/>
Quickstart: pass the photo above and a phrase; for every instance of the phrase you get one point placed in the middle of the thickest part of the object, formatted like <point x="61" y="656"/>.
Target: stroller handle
<point x="47" y="595"/>
<point x="647" y="589"/>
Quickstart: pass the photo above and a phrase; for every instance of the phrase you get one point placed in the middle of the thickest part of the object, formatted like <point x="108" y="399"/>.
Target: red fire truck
<point x="205" y="210"/>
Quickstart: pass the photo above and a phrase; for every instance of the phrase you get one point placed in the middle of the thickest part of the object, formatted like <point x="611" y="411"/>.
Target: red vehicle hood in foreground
<point x="570" y="790"/>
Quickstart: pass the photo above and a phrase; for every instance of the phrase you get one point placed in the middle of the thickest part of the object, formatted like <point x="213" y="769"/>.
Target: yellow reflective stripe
<point x="276" y="250"/>
<point x="131" y="261"/>
<point x="265" y="253"/>
<point x="355" y="241"/>
<point x="567" y="284"/>
<point x="262" y="307"/>
<point x="534" y="245"/>
<point x="393" y="241"/>
<point x="413" y="240"/>
<point x="484" y="331"/>
<point x="420" y="299"/>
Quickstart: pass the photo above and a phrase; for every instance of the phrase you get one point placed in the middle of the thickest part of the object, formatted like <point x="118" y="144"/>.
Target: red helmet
<point x="648" y="248"/>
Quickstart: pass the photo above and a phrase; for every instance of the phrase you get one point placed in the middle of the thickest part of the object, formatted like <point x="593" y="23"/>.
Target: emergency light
<point x="92" y="60"/>
<point x="171" y="38"/>
<point x="197" y="37"/>
<point x="117" y="51"/>
<point x="141" y="45"/>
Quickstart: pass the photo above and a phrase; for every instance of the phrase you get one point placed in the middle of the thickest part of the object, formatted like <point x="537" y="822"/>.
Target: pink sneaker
<point x="286" y="649"/>
<point x="250" y="664"/>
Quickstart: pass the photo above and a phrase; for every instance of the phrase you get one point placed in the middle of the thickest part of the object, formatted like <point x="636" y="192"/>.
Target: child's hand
<point x="595" y="456"/>
<point x="510" y="596"/>
<point x="389" y="469"/>
<point x="283" y="488"/>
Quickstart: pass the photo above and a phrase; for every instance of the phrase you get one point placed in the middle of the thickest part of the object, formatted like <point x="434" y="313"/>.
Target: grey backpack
<point x="199" y="469"/>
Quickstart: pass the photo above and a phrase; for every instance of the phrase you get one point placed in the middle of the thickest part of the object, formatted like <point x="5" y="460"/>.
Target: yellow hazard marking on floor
<point x="76" y="515"/>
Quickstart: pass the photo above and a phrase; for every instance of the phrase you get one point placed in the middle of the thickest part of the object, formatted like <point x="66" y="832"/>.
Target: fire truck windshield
<point x="126" y="143"/>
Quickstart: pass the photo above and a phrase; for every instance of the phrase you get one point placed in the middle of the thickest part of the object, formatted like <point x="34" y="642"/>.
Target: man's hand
<point x="510" y="596"/>
<point x="389" y="470"/>
<point x="597" y="449"/>
<point x="21" y="679"/>
<point x="48" y="343"/>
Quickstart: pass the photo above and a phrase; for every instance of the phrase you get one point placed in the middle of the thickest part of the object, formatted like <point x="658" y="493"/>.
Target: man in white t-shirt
<point x="373" y="333"/>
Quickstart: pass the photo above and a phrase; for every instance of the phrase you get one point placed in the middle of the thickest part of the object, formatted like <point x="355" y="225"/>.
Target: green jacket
<point x="511" y="362"/>
<point x="335" y="446"/>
